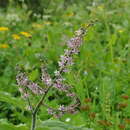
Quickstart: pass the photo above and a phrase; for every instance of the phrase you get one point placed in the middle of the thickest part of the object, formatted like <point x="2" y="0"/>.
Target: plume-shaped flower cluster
<point x="58" y="81"/>
<point x="23" y="80"/>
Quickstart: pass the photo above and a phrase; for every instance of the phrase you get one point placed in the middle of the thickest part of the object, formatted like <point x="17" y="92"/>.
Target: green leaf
<point x="4" y="125"/>
<point x="6" y="97"/>
<point x="58" y="125"/>
<point x="113" y="39"/>
<point x="33" y="75"/>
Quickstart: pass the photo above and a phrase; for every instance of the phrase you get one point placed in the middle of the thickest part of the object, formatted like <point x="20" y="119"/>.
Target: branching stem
<point x="34" y="113"/>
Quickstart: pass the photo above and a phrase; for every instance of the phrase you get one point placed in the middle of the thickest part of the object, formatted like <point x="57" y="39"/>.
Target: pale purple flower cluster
<point x="23" y="92"/>
<point x="46" y="77"/>
<point x="62" y="108"/>
<point x="50" y="111"/>
<point x="23" y="80"/>
<point x="61" y="86"/>
<point x="70" y="94"/>
<point x="73" y="48"/>
<point x="67" y="60"/>
<point x="75" y="42"/>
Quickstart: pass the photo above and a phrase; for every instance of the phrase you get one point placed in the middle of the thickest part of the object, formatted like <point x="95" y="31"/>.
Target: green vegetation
<point x="31" y="36"/>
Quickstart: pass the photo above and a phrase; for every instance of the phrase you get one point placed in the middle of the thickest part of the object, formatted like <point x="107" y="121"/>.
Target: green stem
<point x="33" y="121"/>
<point x="34" y="113"/>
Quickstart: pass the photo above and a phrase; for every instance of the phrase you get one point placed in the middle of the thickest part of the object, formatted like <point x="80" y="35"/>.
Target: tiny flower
<point x="50" y="111"/>
<point x="48" y="81"/>
<point x="29" y="108"/>
<point x="57" y="73"/>
<point x="21" y="90"/>
<point x="57" y="85"/>
<point x="60" y="86"/>
<point x="65" y="60"/>
<point x="22" y="79"/>
<point x="70" y="94"/>
<point x="74" y="42"/>
<point x="71" y="109"/>
<point x="58" y="115"/>
<point x="67" y="52"/>
<point x="25" y="95"/>
<point x="65" y="70"/>
<point x="46" y="77"/>
<point x="4" y="28"/>
<point x="67" y="119"/>
<point x="61" y="108"/>
<point x="16" y="37"/>
<point x="26" y="34"/>
<point x="35" y="88"/>
<point x="85" y="73"/>
<point x="4" y="46"/>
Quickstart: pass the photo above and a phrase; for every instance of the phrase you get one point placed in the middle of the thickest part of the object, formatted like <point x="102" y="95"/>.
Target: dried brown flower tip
<point x="85" y="108"/>
<point x="122" y="105"/>
<point x="92" y="115"/>
<point x="127" y="120"/>
<point x="121" y="126"/>
<point x="105" y="123"/>
<point x="87" y="100"/>
<point x="125" y="96"/>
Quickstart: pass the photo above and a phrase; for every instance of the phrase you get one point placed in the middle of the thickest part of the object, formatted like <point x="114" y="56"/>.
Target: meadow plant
<point x="27" y="86"/>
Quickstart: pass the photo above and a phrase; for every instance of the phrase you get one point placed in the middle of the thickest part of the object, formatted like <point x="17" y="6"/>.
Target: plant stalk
<point x="33" y="121"/>
<point x="34" y="113"/>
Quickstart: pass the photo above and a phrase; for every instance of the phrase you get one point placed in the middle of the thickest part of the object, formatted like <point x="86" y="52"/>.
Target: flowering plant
<point x="58" y="82"/>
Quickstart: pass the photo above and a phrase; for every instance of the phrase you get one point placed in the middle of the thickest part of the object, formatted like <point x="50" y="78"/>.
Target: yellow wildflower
<point x="35" y="25"/>
<point x="5" y="45"/>
<point x="4" y="28"/>
<point x="47" y="22"/>
<point x="16" y="37"/>
<point x="120" y="30"/>
<point x="26" y="34"/>
<point x="85" y="25"/>
<point x="70" y="14"/>
<point x="101" y="7"/>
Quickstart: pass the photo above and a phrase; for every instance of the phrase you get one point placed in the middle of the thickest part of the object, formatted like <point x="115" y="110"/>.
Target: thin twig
<point x="29" y="103"/>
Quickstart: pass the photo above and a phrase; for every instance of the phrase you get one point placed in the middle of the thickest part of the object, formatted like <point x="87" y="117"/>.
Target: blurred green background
<point x="33" y="32"/>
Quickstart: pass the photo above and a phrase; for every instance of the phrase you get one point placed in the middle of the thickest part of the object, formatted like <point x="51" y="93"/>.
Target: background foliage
<point x="101" y="73"/>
